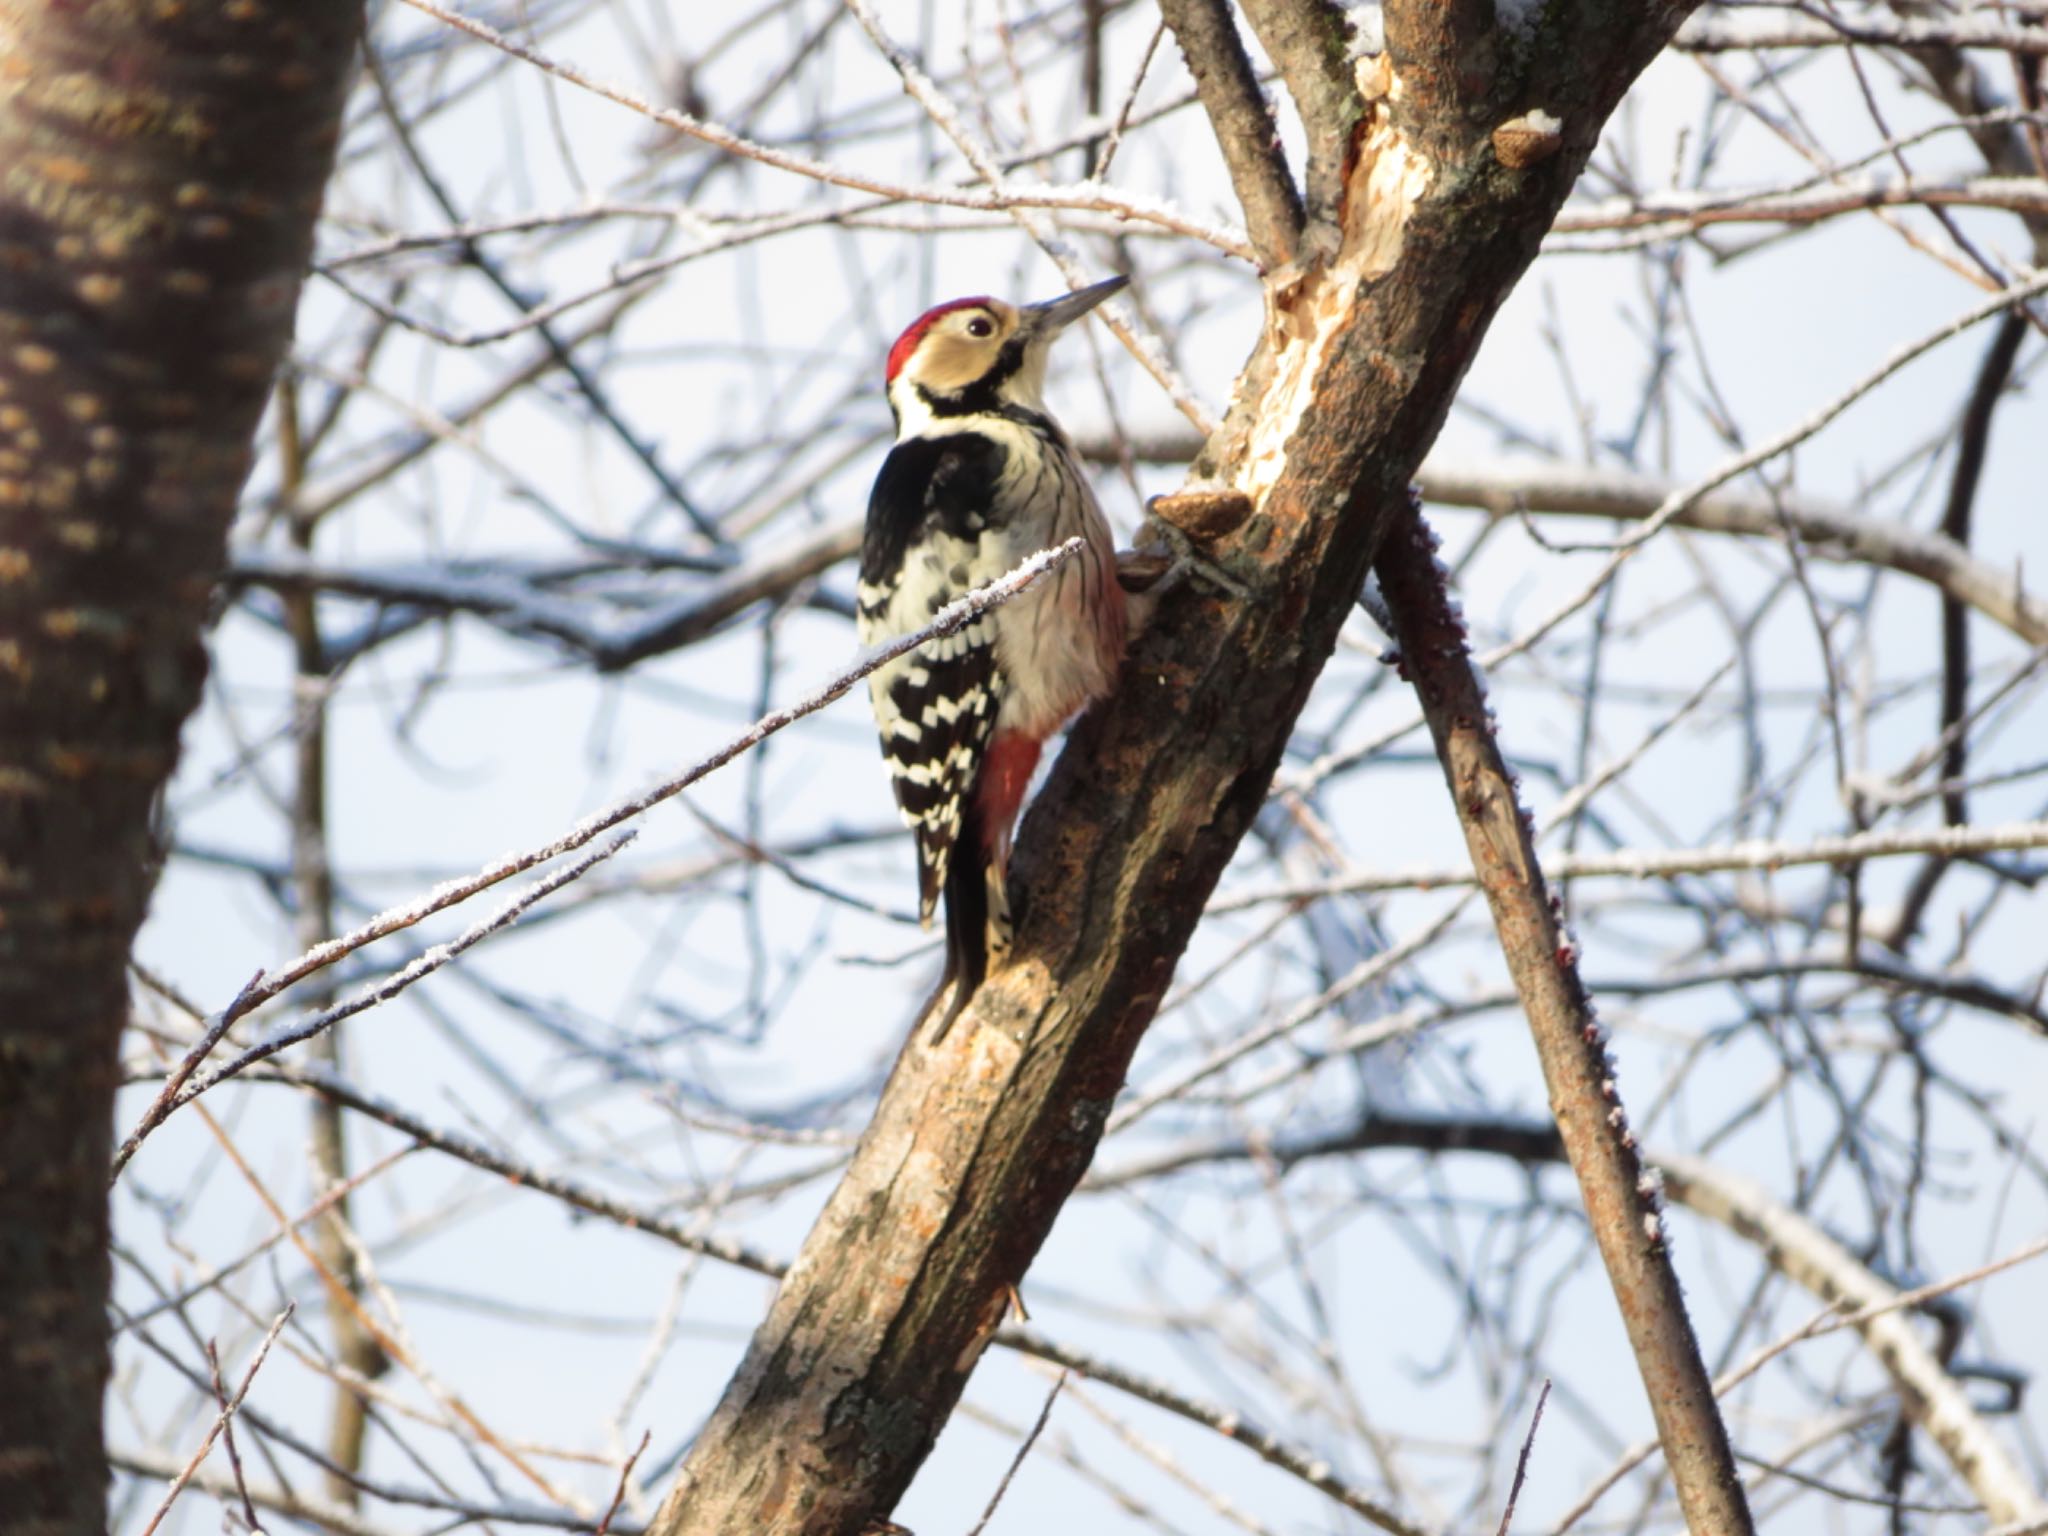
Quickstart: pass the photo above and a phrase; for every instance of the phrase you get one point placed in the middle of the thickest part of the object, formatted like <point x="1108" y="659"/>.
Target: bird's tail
<point x="977" y="886"/>
<point x="968" y="878"/>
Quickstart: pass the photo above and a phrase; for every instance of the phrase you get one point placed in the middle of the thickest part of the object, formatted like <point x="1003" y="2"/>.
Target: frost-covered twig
<point x="220" y="1422"/>
<point x="1143" y="344"/>
<point x="1734" y="31"/>
<point x="181" y="1090"/>
<point x="267" y="984"/>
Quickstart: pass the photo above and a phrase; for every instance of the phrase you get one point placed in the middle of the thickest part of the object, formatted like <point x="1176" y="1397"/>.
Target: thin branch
<point x="1507" y="1518"/>
<point x="1680" y="501"/>
<point x="1789" y="1241"/>
<point x="1663" y="863"/>
<point x="227" y="1435"/>
<point x="598" y="397"/>
<point x="1296" y="1460"/>
<point x="1299" y="1461"/>
<point x="1119" y="315"/>
<point x="525" y="1175"/>
<point x="331" y="1517"/>
<point x="1002" y="196"/>
<point x="1797" y="1246"/>
<point x="604" y="1526"/>
<point x="1830" y="532"/>
<point x="1973" y="442"/>
<point x="1668" y="212"/>
<point x="220" y="1422"/>
<point x="1738" y="31"/>
<point x="420" y="967"/>
<point x="1023" y="1450"/>
<point x="612" y="635"/>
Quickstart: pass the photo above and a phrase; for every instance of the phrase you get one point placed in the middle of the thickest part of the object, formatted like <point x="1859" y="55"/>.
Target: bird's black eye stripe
<point x="981" y="326"/>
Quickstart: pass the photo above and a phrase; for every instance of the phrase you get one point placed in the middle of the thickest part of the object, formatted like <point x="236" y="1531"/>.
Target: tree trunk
<point x="163" y="168"/>
<point x="1444" y="192"/>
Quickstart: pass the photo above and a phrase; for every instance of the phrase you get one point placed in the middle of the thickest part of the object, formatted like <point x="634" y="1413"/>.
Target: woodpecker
<point x="980" y="478"/>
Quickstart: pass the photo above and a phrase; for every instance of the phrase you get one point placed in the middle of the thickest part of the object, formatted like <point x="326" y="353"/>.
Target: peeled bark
<point x="978" y="1142"/>
<point x="163" y="168"/>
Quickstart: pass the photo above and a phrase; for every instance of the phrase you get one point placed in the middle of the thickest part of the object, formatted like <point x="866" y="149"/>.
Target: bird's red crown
<point x="907" y="342"/>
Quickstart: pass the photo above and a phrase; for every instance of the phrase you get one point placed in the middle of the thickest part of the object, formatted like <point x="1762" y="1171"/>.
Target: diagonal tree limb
<point x="977" y="1143"/>
<point x="1622" y="1207"/>
<point x="265" y="985"/>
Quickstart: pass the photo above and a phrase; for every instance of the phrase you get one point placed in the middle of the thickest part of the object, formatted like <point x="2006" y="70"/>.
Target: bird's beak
<point x="1055" y="315"/>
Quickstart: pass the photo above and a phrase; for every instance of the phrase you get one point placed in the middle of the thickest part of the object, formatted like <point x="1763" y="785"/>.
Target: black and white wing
<point x="935" y="707"/>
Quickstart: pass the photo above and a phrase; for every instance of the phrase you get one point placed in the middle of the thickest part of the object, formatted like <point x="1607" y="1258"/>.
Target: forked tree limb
<point x="1307" y="40"/>
<point x="977" y="1143"/>
<point x="1229" y="89"/>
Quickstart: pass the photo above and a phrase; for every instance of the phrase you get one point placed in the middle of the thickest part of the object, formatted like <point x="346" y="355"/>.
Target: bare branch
<point x="1507" y="1518"/>
<point x="1665" y="214"/>
<point x="1002" y="197"/>
<point x="220" y="1422"/>
<point x="1621" y="1203"/>
<point x="1023" y="1450"/>
<point x="1120" y="316"/>
<point x="419" y="968"/>
<point x="1310" y="40"/>
<point x="1736" y="30"/>
<point x="1831" y="533"/>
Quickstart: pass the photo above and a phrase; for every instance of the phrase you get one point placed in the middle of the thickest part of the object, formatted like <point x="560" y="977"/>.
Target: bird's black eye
<point x="981" y="326"/>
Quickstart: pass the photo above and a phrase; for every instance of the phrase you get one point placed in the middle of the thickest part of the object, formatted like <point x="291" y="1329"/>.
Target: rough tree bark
<point x="1443" y="188"/>
<point x="164" y="164"/>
